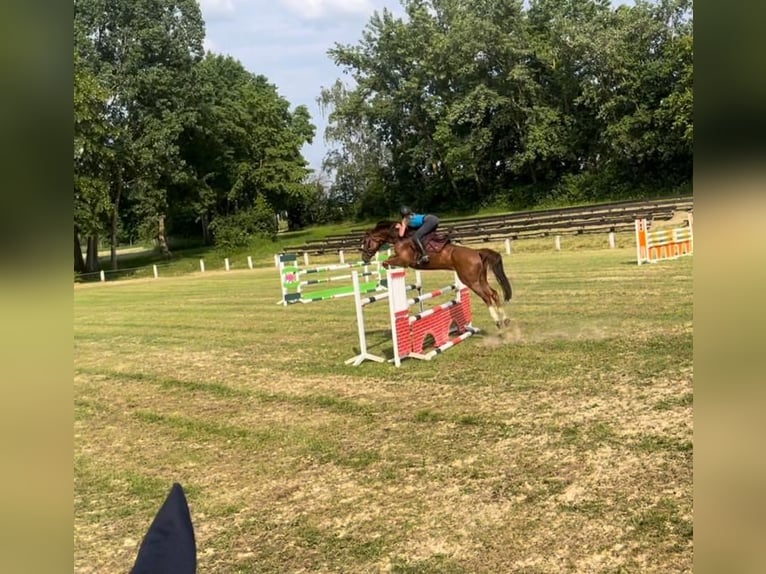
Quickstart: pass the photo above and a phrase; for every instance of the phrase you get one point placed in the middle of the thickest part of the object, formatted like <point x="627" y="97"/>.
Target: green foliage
<point x="245" y="144"/>
<point x="238" y="229"/>
<point x="168" y="141"/>
<point x="91" y="186"/>
<point x="460" y="103"/>
<point x="141" y="55"/>
<point x="454" y="107"/>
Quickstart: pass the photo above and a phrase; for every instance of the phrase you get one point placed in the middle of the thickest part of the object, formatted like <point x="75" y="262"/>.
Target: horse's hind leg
<point x="502" y="317"/>
<point x="497" y="311"/>
<point x="475" y="285"/>
<point x="496" y="306"/>
<point x="490" y="298"/>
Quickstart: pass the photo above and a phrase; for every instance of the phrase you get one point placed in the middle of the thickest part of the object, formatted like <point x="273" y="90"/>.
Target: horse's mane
<point x="384" y="224"/>
<point x="387" y="226"/>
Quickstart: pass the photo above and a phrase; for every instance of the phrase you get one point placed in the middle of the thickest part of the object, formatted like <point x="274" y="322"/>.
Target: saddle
<point x="435" y="241"/>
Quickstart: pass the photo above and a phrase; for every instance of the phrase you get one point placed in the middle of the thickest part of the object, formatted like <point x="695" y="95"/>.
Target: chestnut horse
<point x="471" y="265"/>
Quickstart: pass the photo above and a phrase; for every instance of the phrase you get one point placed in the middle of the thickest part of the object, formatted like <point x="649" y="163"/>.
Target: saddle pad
<point x="435" y="241"/>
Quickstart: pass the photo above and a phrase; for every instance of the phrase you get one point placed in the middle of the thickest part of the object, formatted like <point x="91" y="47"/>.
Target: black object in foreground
<point x="169" y="546"/>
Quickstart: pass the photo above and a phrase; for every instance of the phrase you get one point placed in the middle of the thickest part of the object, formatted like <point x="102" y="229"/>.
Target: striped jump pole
<point x="295" y="280"/>
<point x="661" y="244"/>
<point x="447" y="324"/>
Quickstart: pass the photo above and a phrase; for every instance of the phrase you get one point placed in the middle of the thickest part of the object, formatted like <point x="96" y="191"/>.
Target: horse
<point x="471" y="265"/>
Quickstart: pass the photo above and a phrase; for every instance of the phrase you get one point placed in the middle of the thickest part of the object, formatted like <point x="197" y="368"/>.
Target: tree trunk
<point x="162" y="239"/>
<point x="91" y="262"/>
<point x="115" y="219"/>
<point x="79" y="261"/>
<point x="205" y="229"/>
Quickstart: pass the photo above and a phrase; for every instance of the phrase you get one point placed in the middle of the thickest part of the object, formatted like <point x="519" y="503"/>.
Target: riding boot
<point x="423" y="257"/>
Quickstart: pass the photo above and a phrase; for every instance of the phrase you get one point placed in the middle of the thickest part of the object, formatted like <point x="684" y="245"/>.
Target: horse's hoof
<point x="506" y="321"/>
<point x="498" y="324"/>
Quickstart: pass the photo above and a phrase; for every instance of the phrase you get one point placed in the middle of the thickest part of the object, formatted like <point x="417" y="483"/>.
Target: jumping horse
<point x="471" y="265"/>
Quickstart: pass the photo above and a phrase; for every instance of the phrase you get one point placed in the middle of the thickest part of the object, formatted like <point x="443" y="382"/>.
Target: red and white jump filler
<point x="444" y="325"/>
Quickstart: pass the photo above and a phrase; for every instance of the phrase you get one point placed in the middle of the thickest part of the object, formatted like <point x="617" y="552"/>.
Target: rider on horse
<point x="423" y="224"/>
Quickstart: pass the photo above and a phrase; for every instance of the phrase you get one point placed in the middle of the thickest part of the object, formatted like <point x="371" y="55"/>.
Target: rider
<point x="422" y="224"/>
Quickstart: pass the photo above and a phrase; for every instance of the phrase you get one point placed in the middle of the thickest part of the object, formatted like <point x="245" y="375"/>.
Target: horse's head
<point x="370" y="246"/>
<point x="375" y="238"/>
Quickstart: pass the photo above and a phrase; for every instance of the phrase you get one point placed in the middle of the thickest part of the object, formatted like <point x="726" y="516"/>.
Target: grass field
<point x="563" y="444"/>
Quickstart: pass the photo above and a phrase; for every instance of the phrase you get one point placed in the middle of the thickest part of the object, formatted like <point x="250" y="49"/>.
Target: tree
<point x="446" y="91"/>
<point x="142" y="53"/>
<point x="641" y="89"/>
<point x="480" y="99"/>
<point x="358" y="160"/>
<point x="244" y="147"/>
<point x="92" y="161"/>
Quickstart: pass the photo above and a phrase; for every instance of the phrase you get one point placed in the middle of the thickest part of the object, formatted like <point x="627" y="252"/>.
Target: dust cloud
<point x="514" y="334"/>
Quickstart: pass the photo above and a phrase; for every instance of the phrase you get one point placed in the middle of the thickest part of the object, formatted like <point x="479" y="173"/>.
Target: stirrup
<point x="423" y="259"/>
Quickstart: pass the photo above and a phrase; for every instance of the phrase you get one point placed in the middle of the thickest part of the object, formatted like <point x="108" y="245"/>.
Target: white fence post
<point x="250" y="261"/>
<point x="202" y="265"/>
<point x="103" y="277"/>
<point x="558" y="243"/>
<point x="154" y="267"/>
<point x="276" y="260"/>
<point x="611" y="239"/>
<point x="306" y="258"/>
<point x="226" y="263"/>
<point x="342" y="256"/>
<point x="508" y="246"/>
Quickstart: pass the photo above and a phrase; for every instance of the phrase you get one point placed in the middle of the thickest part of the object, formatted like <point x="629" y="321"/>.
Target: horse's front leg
<point x="394" y="261"/>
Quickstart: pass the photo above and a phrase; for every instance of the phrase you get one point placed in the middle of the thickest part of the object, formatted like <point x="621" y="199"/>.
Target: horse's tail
<point x="494" y="260"/>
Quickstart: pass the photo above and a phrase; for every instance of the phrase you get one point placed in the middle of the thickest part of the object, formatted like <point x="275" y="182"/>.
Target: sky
<point x="287" y="41"/>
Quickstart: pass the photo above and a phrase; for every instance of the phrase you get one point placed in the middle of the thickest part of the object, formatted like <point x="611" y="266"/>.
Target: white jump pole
<point x="250" y="261"/>
<point x="202" y="265"/>
<point x="342" y="256"/>
<point x="306" y="258"/>
<point x="154" y="267"/>
<point x="226" y="263"/>
<point x="103" y="276"/>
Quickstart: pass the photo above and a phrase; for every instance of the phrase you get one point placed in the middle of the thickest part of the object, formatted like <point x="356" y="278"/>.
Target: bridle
<point x="370" y="246"/>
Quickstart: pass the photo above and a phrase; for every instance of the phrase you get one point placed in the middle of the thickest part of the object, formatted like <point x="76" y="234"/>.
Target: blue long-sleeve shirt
<point x="416" y="220"/>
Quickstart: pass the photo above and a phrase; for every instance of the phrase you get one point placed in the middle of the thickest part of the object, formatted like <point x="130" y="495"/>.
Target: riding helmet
<point x="404" y="211"/>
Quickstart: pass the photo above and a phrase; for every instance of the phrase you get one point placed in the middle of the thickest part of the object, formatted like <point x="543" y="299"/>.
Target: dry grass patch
<point x="562" y="445"/>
